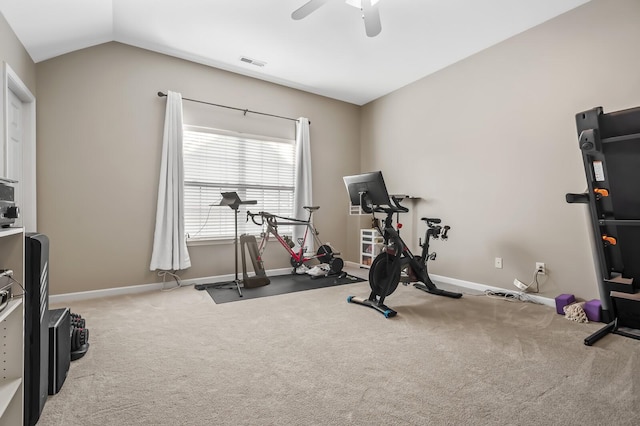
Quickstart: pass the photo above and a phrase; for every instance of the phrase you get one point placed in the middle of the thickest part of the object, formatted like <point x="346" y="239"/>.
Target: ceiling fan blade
<point x="307" y="8"/>
<point x="371" y="16"/>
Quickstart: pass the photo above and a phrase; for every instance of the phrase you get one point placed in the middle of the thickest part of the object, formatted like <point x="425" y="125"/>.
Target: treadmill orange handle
<point x="602" y="192"/>
<point x="609" y="240"/>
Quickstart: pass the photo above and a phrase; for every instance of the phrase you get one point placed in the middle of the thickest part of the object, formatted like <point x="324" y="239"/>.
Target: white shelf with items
<point x="371" y="244"/>
<point x="12" y="329"/>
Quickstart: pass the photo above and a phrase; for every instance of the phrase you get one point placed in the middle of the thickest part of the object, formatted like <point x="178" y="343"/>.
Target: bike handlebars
<point x="272" y="219"/>
<point x="391" y="208"/>
<point x="263" y="216"/>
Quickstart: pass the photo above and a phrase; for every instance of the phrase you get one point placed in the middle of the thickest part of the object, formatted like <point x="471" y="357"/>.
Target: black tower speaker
<point x="59" y="348"/>
<point x="36" y="321"/>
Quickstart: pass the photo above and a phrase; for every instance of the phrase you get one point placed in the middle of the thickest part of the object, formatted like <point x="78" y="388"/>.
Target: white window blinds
<point x="257" y="168"/>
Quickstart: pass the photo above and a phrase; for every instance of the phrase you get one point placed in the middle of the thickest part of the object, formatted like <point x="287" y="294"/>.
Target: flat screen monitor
<point x="372" y="183"/>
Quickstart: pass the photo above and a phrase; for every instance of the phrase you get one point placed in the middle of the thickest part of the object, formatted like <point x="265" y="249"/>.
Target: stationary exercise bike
<point x="270" y="223"/>
<point x="395" y="263"/>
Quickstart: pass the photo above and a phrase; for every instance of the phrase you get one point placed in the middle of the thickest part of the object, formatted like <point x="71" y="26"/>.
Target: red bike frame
<point x="270" y="224"/>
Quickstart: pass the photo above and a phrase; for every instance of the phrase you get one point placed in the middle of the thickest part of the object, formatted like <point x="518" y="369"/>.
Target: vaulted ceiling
<point x="327" y="52"/>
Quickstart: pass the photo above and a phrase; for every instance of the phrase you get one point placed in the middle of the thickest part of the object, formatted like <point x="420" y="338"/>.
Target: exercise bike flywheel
<point x="382" y="270"/>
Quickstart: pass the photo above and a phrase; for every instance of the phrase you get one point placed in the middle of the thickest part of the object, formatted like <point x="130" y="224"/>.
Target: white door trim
<point x="12" y="82"/>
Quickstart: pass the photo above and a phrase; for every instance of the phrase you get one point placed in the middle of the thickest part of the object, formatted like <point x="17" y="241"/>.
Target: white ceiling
<point x="326" y="53"/>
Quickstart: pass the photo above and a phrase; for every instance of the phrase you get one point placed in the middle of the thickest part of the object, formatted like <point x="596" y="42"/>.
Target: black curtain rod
<point x="245" y="111"/>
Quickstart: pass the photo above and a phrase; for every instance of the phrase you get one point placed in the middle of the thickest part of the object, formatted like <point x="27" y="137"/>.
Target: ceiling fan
<point x="369" y="8"/>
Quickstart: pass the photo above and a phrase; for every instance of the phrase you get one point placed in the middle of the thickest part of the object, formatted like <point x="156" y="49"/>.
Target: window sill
<point x="209" y="242"/>
<point x="194" y="242"/>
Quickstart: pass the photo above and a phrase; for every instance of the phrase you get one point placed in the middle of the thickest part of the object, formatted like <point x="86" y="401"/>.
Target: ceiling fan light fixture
<point x="370" y="13"/>
<point x="358" y="3"/>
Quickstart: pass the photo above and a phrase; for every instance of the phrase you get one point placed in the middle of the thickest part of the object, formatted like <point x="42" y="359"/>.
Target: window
<point x="257" y="168"/>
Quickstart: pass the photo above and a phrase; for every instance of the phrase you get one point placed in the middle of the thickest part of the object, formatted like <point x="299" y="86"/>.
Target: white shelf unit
<point x="355" y="210"/>
<point x="12" y="330"/>
<point x="371" y="244"/>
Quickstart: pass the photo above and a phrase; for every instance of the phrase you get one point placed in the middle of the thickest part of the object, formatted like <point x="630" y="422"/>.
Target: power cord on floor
<point x="510" y="296"/>
<point x="520" y="296"/>
<point x="175" y="276"/>
<point x="503" y="295"/>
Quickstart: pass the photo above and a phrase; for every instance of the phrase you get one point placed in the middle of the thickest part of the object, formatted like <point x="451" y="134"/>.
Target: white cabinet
<point x="12" y="329"/>
<point x="371" y="243"/>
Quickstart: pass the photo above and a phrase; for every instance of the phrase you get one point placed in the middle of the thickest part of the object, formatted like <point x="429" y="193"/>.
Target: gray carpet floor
<point x="311" y="358"/>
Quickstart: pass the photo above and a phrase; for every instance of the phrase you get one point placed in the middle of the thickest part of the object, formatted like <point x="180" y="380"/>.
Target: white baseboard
<point x="475" y="286"/>
<point x="482" y="288"/>
<point x="134" y="289"/>
<point x="118" y="291"/>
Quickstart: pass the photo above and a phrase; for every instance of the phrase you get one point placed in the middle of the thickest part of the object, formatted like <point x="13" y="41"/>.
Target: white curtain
<point x="169" y="241"/>
<point x="302" y="192"/>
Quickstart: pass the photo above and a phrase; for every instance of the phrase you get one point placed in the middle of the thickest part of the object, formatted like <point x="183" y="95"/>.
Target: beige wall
<point x="490" y="145"/>
<point x="99" y="146"/>
<point x="13" y="53"/>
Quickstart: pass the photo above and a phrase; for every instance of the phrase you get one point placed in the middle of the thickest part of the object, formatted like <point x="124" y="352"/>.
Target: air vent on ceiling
<point x="252" y="61"/>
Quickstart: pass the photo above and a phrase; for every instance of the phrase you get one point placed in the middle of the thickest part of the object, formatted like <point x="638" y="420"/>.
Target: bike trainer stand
<point x="260" y="278"/>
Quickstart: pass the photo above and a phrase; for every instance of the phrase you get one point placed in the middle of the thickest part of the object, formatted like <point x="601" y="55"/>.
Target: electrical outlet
<point x="540" y="268"/>
<point x="498" y="262"/>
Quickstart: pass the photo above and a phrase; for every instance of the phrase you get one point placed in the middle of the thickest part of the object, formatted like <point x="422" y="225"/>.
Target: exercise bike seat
<point x="311" y="208"/>
<point x="432" y="220"/>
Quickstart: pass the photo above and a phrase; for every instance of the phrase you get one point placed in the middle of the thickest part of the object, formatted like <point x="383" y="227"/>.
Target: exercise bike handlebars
<point x="397" y="207"/>
<point x="392" y="207"/>
<point x="444" y="234"/>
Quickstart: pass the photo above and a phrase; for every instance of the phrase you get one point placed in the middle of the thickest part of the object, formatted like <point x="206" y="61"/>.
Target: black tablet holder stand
<point x="232" y="200"/>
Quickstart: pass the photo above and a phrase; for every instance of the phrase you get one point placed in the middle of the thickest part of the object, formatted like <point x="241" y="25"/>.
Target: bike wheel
<point x="335" y="265"/>
<point x="384" y="274"/>
<point x="324" y="253"/>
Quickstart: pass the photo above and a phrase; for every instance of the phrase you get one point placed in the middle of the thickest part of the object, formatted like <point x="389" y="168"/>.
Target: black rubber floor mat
<point x="280" y="284"/>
